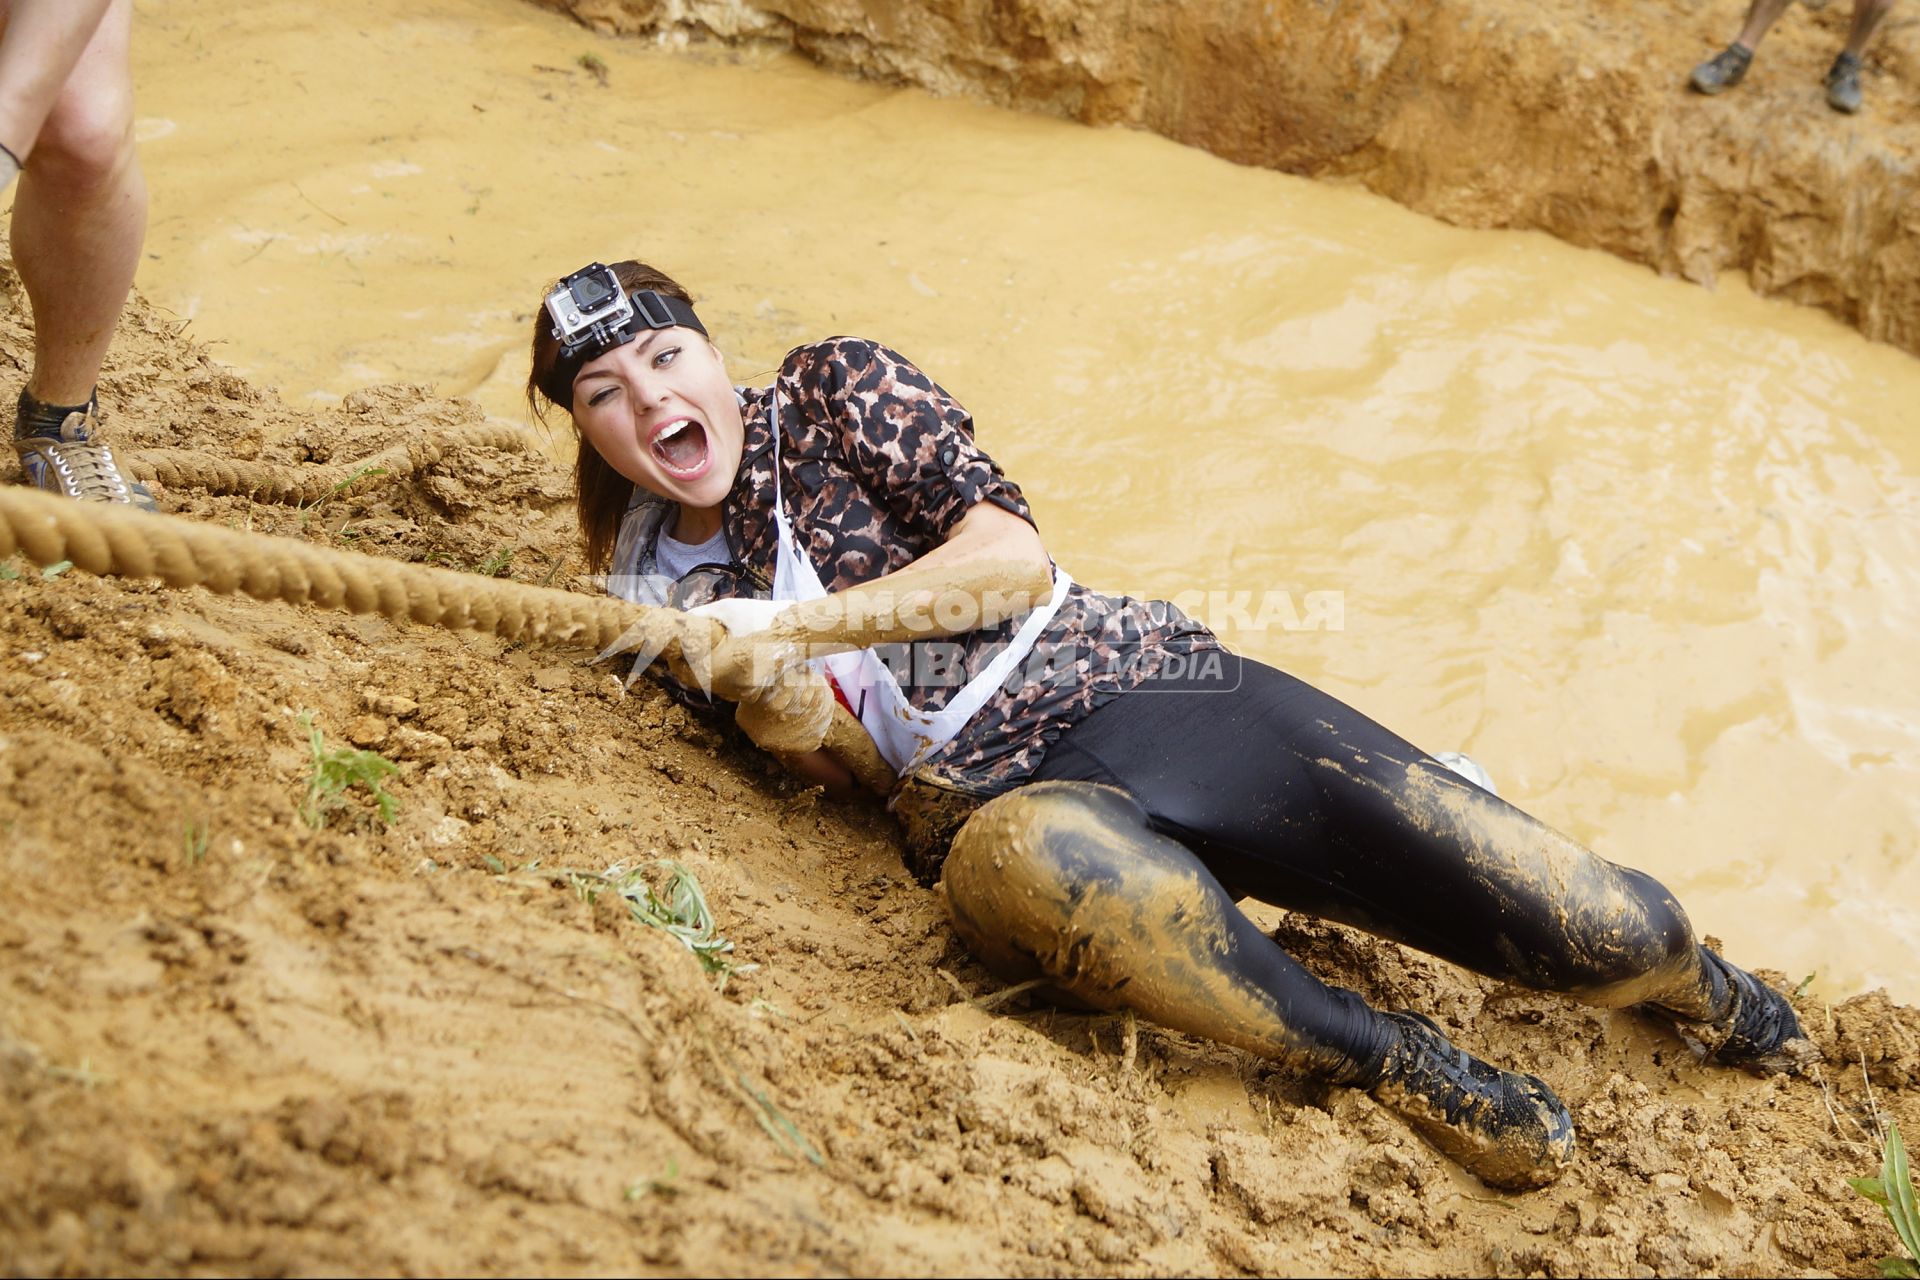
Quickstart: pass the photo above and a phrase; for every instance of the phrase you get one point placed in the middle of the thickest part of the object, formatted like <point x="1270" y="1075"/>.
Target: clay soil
<point x="231" y="1043"/>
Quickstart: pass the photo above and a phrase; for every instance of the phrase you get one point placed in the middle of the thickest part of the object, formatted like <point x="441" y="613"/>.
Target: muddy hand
<point x="791" y="717"/>
<point x="787" y="709"/>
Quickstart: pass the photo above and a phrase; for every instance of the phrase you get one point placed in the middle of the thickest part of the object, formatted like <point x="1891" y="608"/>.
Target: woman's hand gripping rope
<point x="785" y="705"/>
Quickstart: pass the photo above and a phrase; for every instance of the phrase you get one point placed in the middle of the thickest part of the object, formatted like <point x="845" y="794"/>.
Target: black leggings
<point x="1241" y="781"/>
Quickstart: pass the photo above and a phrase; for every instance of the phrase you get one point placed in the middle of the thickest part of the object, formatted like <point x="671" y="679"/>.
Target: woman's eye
<point x="665" y="358"/>
<point x="602" y="396"/>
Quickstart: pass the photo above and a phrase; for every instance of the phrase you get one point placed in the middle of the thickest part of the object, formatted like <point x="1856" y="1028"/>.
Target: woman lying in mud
<point x="1094" y="781"/>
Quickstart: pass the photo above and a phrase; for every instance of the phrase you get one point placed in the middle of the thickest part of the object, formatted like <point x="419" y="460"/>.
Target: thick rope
<point x="289" y="482"/>
<point x="114" y="540"/>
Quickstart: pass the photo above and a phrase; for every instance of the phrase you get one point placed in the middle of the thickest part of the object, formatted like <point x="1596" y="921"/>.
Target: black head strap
<point x="650" y="311"/>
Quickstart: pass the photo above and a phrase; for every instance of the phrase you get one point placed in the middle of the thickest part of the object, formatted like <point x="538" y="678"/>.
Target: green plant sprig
<point x="1893" y="1192"/>
<point x="335" y="769"/>
<point x="681" y="911"/>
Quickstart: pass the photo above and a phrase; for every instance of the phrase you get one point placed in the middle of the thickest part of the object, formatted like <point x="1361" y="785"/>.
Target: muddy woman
<point x="1092" y="781"/>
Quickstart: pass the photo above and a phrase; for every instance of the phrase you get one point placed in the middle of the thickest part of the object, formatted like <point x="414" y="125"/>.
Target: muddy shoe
<point x="58" y="454"/>
<point x="1843" y="84"/>
<point x="1507" y="1129"/>
<point x="1723" y="70"/>
<point x="1761" y="1033"/>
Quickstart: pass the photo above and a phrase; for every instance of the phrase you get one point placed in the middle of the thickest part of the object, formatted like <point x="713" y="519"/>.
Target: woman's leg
<point x="1068" y="881"/>
<point x="1293" y="797"/>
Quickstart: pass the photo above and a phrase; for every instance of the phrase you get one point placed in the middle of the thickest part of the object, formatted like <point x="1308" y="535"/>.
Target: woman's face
<point x="661" y="412"/>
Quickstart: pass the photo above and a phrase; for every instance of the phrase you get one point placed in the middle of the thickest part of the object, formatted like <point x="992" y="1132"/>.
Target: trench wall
<point x="1571" y="119"/>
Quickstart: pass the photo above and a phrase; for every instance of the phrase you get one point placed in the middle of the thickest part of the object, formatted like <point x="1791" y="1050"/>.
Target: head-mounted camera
<point x="592" y="315"/>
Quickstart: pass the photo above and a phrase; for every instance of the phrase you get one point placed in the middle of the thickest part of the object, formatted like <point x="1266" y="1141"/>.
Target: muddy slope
<point x="231" y="1043"/>
<point x="1573" y="120"/>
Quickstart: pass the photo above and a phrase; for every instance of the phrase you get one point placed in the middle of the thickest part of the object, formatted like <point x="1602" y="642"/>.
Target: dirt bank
<point x="233" y="1044"/>
<point x="1492" y="113"/>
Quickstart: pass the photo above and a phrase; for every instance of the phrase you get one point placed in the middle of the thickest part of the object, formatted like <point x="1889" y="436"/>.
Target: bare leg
<point x="81" y="213"/>
<point x="43" y="40"/>
<point x="1867" y="16"/>
<point x="1761" y="16"/>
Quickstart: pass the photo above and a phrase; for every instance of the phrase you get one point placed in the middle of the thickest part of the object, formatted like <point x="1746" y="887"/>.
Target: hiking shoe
<point x="58" y="454"/>
<point x="1761" y="1033"/>
<point x="1723" y="70"/>
<point x="1843" y="83"/>
<point x="1506" y="1129"/>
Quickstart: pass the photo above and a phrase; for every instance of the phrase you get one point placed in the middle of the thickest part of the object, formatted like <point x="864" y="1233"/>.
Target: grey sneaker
<point x="1506" y="1129"/>
<point x="1843" y="84"/>
<point x="1724" y="69"/>
<point x="58" y="454"/>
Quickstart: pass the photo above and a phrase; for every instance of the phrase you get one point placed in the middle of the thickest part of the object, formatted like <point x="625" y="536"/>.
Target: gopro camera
<point x="589" y="306"/>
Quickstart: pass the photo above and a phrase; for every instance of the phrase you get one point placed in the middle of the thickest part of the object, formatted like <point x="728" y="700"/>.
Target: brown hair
<point x="601" y="494"/>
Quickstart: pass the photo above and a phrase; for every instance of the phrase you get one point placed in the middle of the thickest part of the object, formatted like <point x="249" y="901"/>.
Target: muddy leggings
<point x="1114" y="873"/>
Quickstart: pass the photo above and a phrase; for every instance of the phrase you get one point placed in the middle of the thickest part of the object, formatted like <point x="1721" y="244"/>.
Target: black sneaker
<point x="1843" y="84"/>
<point x="58" y="453"/>
<point x="1723" y="70"/>
<point x="1761" y="1033"/>
<point x="1506" y="1129"/>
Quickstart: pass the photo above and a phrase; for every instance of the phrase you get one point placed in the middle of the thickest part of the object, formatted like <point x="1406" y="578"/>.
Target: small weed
<point x="307" y="509"/>
<point x="55" y="570"/>
<point x="1893" y="1191"/>
<point x="667" y="1184"/>
<point x="335" y="769"/>
<point x="8" y="573"/>
<point x="785" y="1133"/>
<point x="1805" y="982"/>
<point x="681" y="911"/>
<point x="194" y="835"/>
<point x="594" y="66"/>
<point x="364" y="473"/>
<point x="495" y="565"/>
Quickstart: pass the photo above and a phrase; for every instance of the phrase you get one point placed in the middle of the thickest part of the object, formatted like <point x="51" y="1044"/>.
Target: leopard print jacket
<point x="877" y="466"/>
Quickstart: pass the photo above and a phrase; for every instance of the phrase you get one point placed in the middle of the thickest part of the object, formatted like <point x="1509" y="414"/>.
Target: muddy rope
<point x="119" y="541"/>
<point x="294" y="482"/>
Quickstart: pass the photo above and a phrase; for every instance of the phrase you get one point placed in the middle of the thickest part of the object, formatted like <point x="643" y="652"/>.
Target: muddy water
<point x="1649" y="553"/>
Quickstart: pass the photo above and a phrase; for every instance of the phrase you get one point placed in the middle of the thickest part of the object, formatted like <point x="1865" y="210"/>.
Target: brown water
<point x="1649" y="553"/>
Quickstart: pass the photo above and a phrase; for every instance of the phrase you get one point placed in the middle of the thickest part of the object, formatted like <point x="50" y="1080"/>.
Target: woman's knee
<point x="1627" y="945"/>
<point x="87" y="141"/>
<point x="1052" y="879"/>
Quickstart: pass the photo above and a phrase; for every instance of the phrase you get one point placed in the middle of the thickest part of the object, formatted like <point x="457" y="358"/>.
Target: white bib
<point x="905" y="735"/>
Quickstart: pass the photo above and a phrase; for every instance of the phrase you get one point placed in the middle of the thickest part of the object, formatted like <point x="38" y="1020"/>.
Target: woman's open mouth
<point x="680" y="447"/>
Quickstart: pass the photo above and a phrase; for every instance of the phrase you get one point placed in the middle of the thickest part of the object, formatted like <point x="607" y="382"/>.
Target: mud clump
<point x="232" y="1042"/>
